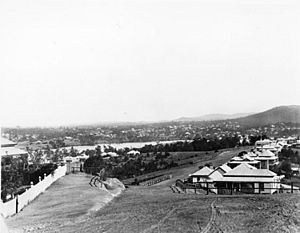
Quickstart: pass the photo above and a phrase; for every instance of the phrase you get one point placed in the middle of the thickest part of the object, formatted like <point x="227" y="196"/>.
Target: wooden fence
<point x="20" y="201"/>
<point x="158" y="180"/>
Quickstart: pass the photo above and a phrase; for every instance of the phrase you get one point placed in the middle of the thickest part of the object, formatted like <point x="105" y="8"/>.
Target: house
<point x="75" y="164"/>
<point x="107" y="155"/>
<point x="266" y="158"/>
<point x="248" y="179"/>
<point x="267" y="144"/>
<point x="237" y="160"/>
<point x="202" y="175"/>
<point x="7" y="143"/>
<point x="12" y="155"/>
<point x="133" y="153"/>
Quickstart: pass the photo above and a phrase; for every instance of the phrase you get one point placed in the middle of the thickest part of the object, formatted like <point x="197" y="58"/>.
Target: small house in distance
<point x="266" y="158"/>
<point x="12" y="155"/>
<point x="248" y="179"/>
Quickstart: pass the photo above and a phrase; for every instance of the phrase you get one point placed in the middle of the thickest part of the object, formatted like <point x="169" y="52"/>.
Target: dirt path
<point x="212" y="218"/>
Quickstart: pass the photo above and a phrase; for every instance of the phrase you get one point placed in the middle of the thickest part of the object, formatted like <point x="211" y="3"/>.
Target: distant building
<point x="237" y="160"/>
<point x="12" y="155"/>
<point x="133" y="153"/>
<point x="7" y="143"/>
<point x="266" y="158"/>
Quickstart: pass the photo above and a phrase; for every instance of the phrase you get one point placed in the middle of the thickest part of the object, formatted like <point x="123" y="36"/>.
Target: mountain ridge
<point x="286" y="114"/>
<point x="214" y="117"/>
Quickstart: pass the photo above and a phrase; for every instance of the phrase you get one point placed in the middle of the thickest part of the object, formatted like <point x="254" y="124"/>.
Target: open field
<point x="71" y="205"/>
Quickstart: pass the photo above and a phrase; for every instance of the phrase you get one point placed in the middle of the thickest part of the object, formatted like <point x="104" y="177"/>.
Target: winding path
<point x="212" y="218"/>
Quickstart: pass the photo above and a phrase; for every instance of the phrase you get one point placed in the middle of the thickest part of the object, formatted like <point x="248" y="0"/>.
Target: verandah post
<point x="292" y="187"/>
<point x="207" y="188"/>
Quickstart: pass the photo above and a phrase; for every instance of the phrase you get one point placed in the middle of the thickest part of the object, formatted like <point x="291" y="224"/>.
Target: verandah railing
<point x="232" y="188"/>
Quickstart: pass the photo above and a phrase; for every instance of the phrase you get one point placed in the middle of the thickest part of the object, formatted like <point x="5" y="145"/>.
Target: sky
<point x="88" y="61"/>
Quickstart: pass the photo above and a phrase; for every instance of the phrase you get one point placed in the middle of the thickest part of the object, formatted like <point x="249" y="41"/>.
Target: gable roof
<point x="6" y="143"/>
<point x="267" y="153"/>
<point x="245" y="169"/>
<point x="216" y="174"/>
<point x="236" y="158"/>
<point x="205" y="171"/>
<point x="225" y="168"/>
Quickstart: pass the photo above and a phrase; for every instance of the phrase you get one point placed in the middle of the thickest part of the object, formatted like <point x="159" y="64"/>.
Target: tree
<point x="94" y="164"/>
<point x="286" y="168"/>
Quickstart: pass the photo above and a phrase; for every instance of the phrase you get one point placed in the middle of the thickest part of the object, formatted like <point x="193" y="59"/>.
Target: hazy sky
<point x="86" y="61"/>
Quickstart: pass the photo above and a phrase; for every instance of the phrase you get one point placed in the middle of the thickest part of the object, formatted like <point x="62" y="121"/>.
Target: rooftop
<point x="6" y="143"/>
<point x="9" y="151"/>
<point x="225" y="168"/>
<point x="205" y="171"/>
<point x="245" y="169"/>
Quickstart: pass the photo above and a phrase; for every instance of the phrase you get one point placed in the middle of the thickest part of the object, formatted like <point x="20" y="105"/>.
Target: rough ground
<point x="71" y="205"/>
<point x="253" y="213"/>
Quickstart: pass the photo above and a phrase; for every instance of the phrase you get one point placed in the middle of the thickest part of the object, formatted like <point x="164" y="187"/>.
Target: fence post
<point x="292" y="187"/>
<point x="17" y="203"/>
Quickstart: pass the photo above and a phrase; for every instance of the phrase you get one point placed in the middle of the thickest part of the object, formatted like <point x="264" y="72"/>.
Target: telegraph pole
<point x="0" y="169"/>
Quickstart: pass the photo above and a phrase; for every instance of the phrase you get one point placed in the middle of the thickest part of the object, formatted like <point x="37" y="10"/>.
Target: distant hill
<point x="287" y="114"/>
<point x="214" y="117"/>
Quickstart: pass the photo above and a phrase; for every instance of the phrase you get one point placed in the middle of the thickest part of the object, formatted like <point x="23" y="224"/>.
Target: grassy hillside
<point x="254" y="213"/>
<point x="66" y="207"/>
<point x="287" y="114"/>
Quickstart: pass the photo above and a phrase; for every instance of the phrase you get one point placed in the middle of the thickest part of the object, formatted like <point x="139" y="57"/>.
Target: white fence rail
<point x="19" y="202"/>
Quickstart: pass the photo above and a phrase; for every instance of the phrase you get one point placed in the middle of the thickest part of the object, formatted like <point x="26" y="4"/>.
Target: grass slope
<point x="66" y="206"/>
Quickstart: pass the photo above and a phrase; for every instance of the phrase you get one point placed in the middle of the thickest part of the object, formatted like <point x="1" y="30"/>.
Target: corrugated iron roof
<point x="245" y="169"/>
<point x="225" y="168"/>
<point x="205" y="171"/>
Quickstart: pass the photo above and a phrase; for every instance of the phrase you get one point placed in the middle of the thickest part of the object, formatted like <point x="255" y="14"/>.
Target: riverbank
<point x="68" y="202"/>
